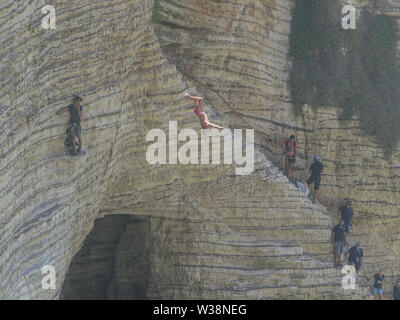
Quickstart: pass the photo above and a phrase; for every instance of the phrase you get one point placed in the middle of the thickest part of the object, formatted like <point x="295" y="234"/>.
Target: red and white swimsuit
<point x="197" y="112"/>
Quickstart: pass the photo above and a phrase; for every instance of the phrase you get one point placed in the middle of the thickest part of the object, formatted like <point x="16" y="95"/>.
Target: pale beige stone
<point x="212" y="234"/>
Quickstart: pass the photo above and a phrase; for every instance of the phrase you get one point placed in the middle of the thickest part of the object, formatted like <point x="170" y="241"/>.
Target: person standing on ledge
<point x="315" y="169"/>
<point x="199" y="111"/>
<point x="338" y="242"/>
<point x="289" y="153"/>
<point x="378" y="278"/>
<point x="396" y="290"/>
<point x="75" y="114"/>
<point x="347" y="215"/>
<point x="354" y="256"/>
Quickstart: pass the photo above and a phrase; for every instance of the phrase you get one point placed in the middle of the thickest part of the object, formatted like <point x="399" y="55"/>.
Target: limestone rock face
<point x="240" y="61"/>
<point x="179" y="231"/>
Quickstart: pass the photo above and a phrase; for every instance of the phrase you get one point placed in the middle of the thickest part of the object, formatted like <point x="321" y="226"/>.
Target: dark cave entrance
<point x="113" y="262"/>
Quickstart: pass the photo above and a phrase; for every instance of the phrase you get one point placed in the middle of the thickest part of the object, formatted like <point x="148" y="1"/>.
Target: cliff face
<point x="238" y="58"/>
<point x="203" y="232"/>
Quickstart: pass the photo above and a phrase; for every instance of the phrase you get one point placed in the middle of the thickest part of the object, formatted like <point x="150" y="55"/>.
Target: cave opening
<point x="113" y="263"/>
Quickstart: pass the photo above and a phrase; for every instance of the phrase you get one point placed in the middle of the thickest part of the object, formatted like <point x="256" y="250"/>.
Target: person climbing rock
<point x="316" y="169"/>
<point x="354" y="256"/>
<point x="199" y="111"/>
<point x="378" y="284"/>
<point x="339" y="242"/>
<point x="396" y="290"/>
<point x="346" y="212"/>
<point x="75" y="114"/>
<point x="289" y="154"/>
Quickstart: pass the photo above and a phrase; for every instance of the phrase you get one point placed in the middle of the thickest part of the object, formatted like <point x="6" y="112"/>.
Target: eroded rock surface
<point x="239" y="59"/>
<point x="211" y="234"/>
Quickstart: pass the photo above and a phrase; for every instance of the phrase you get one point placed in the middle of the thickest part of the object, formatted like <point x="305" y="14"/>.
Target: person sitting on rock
<point x="339" y="242"/>
<point x="354" y="256"/>
<point x="347" y="215"/>
<point x="199" y="111"/>
<point x="75" y="114"/>
<point x="316" y="169"/>
<point x="378" y="278"/>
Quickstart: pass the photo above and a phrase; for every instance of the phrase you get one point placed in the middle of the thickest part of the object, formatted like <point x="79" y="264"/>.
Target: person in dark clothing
<point x="396" y="291"/>
<point x="347" y="215"/>
<point x="338" y="242"/>
<point x="354" y="256"/>
<point x="378" y="282"/>
<point x="315" y="169"/>
<point x="75" y="114"/>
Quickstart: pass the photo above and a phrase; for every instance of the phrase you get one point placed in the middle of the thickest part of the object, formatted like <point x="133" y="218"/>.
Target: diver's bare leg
<point x="214" y="126"/>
